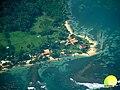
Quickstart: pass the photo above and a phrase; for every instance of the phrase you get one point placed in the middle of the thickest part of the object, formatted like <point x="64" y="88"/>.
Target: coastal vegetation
<point x="34" y="31"/>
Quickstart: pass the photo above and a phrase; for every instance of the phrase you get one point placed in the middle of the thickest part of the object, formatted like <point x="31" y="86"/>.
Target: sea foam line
<point x="91" y="86"/>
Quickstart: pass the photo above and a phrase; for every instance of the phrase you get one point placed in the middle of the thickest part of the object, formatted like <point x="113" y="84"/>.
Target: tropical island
<point x="38" y="45"/>
<point x="46" y="36"/>
<point x="73" y="45"/>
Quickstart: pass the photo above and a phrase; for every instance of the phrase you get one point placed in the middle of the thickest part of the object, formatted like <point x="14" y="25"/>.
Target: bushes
<point x="7" y="53"/>
<point x="19" y="15"/>
<point x="55" y="54"/>
<point x="2" y="52"/>
<point x="17" y="18"/>
<point x="32" y="33"/>
<point x="47" y="32"/>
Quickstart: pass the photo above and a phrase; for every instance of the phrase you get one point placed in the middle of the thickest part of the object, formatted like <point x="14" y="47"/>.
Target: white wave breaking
<point x="90" y="86"/>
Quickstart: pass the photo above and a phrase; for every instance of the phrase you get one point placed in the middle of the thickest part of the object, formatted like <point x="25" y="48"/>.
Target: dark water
<point x="97" y="12"/>
<point x="100" y="20"/>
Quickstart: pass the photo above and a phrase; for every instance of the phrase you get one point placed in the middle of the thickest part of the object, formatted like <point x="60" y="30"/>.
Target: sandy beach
<point x="92" y="50"/>
<point x="68" y="27"/>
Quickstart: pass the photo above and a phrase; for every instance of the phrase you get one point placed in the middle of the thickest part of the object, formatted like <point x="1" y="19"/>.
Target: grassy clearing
<point x="22" y="39"/>
<point x="43" y="25"/>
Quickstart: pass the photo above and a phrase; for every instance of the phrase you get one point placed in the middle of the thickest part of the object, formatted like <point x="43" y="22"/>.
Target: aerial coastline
<point x="91" y="51"/>
<point x="45" y="38"/>
<point x="69" y="41"/>
<point x="59" y="44"/>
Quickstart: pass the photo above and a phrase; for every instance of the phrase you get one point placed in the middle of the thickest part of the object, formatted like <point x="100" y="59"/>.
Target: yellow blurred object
<point x="62" y="53"/>
<point x="110" y="81"/>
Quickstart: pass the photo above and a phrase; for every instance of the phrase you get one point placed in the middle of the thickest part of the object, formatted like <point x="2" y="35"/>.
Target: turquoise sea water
<point x="98" y="19"/>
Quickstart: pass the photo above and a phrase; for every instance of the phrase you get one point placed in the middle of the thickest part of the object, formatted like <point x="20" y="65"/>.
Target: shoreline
<point x="91" y="51"/>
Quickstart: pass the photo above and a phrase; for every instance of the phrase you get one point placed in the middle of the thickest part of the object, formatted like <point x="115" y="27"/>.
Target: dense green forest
<point x="30" y="26"/>
<point x="19" y="15"/>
